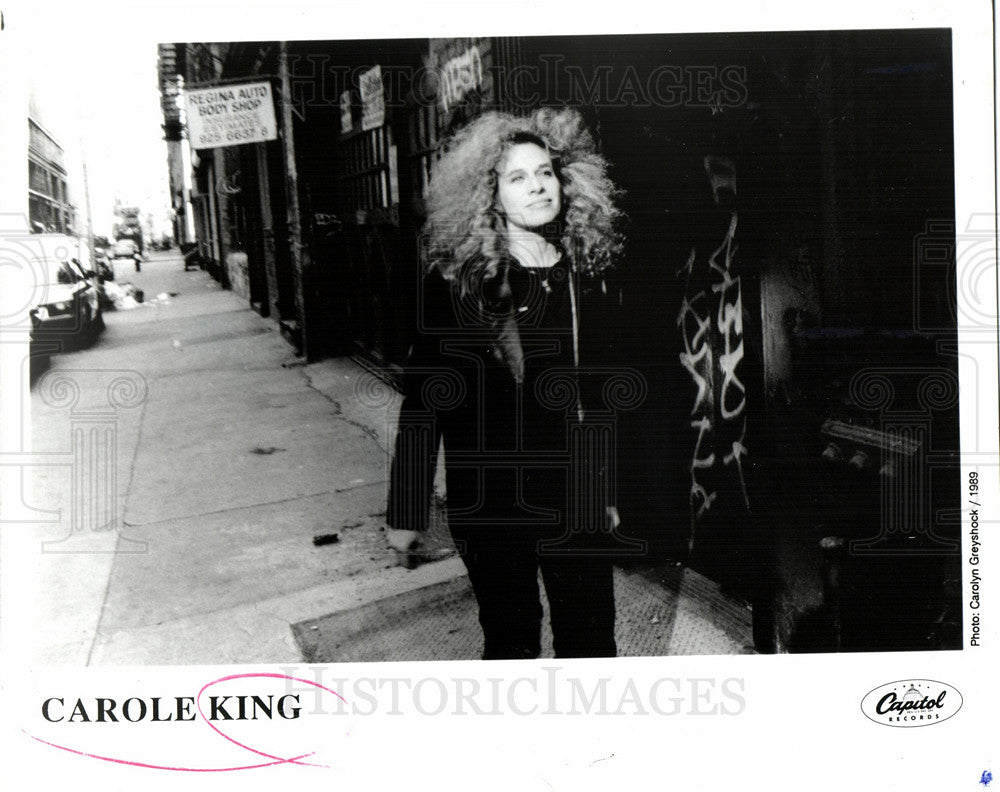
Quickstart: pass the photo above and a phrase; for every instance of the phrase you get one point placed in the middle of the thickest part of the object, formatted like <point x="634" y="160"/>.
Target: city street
<point x="697" y="327"/>
<point x="223" y="457"/>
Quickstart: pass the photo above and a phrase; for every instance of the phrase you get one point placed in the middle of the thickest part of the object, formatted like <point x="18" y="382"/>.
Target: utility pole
<point x="86" y="200"/>
<point x="292" y="196"/>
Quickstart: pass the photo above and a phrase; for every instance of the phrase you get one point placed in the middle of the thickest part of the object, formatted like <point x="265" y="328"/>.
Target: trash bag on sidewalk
<point x="123" y="295"/>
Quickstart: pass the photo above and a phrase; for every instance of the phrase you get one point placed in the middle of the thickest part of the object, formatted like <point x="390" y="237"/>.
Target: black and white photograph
<point x="384" y="389"/>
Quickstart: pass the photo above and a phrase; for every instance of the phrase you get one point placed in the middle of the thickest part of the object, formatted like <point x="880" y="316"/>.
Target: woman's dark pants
<point x="503" y="563"/>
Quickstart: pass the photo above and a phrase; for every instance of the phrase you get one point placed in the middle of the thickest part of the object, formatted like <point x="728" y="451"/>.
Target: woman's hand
<point x="402" y="541"/>
<point x="412" y="548"/>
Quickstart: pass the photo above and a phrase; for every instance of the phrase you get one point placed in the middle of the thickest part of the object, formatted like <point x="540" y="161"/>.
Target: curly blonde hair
<point x="465" y="233"/>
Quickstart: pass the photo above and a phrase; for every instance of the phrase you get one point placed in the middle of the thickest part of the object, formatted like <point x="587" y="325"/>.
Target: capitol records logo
<point x="912" y="702"/>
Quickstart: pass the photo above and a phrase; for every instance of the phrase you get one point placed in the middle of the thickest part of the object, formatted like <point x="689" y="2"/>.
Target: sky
<point x="96" y="91"/>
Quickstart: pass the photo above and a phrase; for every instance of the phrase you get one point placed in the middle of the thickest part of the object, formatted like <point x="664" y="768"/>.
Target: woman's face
<point x="528" y="189"/>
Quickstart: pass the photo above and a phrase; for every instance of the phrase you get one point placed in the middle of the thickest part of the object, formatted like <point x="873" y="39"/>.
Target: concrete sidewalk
<point x="235" y="458"/>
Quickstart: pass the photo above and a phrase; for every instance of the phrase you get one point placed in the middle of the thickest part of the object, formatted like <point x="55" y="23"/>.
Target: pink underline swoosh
<point x="269" y="675"/>
<point x="292" y="760"/>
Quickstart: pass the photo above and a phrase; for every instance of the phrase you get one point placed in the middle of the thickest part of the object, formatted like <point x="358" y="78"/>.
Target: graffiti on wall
<point x="711" y="325"/>
<point x="459" y="76"/>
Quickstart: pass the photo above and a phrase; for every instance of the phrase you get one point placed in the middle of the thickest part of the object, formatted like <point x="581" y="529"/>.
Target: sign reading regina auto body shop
<point x="228" y="115"/>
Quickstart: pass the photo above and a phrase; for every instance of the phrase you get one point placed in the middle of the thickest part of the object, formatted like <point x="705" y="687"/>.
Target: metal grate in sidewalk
<point x="661" y="612"/>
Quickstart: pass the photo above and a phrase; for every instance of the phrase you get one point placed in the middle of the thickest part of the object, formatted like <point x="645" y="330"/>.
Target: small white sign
<point x="346" y="122"/>
<point x="229" y="115"/>
<point x="372" y="99"/>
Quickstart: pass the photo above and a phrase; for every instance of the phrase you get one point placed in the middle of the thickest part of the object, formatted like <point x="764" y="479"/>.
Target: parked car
<point x="70" y="308"/>
<point x="126" y="250"/>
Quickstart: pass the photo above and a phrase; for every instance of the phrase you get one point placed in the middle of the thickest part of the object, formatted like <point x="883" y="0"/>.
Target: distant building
<point x="171" y="67"/>
<point x="49" y="207"/>
<point x="128" y="225"/>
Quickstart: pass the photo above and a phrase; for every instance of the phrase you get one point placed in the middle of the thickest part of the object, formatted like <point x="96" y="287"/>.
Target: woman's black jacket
<point x="507" y="371"/>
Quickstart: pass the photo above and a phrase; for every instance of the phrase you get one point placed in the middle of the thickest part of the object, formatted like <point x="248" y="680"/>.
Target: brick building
<point x="49" y="206"/>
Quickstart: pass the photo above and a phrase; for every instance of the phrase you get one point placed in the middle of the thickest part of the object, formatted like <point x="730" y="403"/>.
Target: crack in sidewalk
<point x="367" y="430"/>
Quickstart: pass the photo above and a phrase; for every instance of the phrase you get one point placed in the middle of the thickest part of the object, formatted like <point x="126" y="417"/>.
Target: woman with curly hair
<point x="521" y="225"/>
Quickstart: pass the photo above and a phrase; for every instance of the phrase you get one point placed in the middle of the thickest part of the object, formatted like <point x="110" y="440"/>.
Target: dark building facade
<point x="787" y="291"/>
<point x="49" y="206"/>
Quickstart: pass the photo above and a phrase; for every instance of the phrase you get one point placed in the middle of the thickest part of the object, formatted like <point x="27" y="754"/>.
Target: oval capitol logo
<point x="911" y="702"/>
